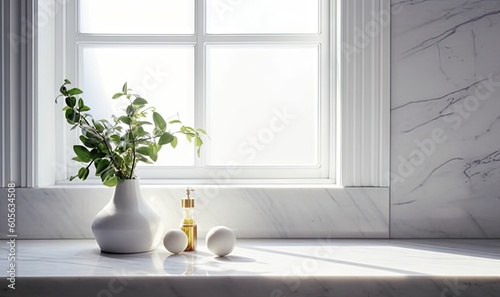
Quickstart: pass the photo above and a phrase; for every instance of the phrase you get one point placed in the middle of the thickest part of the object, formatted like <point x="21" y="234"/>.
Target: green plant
<point x="115" y="147"/>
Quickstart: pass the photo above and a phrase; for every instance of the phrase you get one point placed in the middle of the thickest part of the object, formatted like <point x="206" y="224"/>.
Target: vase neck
<point x="127" y="193"/>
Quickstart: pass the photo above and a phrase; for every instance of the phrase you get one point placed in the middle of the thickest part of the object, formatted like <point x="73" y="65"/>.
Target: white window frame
<point x="361" y="105"/>
<point x="319" y="173"/>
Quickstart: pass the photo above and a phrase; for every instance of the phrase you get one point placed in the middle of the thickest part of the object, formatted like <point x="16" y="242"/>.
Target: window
<point x="254" y="74"/>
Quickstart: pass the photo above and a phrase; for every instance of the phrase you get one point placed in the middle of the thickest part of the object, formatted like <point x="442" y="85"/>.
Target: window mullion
<point x="151" y="39"/>
<point x="302" y="39"/>
<point x="327" y="146"/>
<point x="199" y="72"/>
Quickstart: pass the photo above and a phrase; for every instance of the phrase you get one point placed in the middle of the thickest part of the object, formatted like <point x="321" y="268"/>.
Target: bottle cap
<point x="188" y="202"/>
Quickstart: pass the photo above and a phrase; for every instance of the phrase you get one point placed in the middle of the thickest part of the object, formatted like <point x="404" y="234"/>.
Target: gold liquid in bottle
<point x="191" y="231"/>
<point x="188" y="224"/>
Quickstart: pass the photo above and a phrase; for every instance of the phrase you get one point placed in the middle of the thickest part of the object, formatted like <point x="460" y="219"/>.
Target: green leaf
<point x="119" y="160"/>
<point x="125" y="119"/>
<point x="127" y="157"/>
<point x="72" y="116"/>
<point x="70" y="101"/>
<point x="89" y="132"/>
<point x="143" y="150"/>
<point x="140" y="114"/>
<point x="201" y="130"/>
<point x="117" y="95"/>
<point x="115" y="138"/>
<point x="95" y="154"/>
<point x="188" y="130"/>
<point x="189" y="138"/>
<point x="143" y="141"/>
<point x="75" y="91"/>
<point x="98" y="126"/>
<point x="166" y="138"/>
<point x="129" y="136"/>
<point x="174" y="142"/>
<point x="140" y="132"/>
<point x="140" y="101"/>
<point x="89" y="142"/>
<point x="175" y="122"/>
<point x="111" y="182"/>
<point x="124" y="88"/>
<point x="84" y="108"/>
<point x="157" y="132"/>
<point x="199" y="142"/>
<point x="63" y="90"/>
<point x="82" y="153"/>
<point x="102" y="147"/>
<point x="159" y="121"/>
<point x="71" y="178"/>
<point x="80" y="104"/>
<point x="106" y="124"/>
<point x="130" y="110"/>
<point x="101" y="166"/>
<point x="108" y="173"/>
<point x="153" y="152"/>
<point x="69" y="114"/>
<point x="66" y="108"/>
<point x="144" y="160"/>
<point x="83" y="173"/>
<point x="145" y="123"/>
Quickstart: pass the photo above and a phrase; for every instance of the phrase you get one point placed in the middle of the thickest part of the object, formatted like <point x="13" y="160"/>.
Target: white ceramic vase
<point x="127" y="224"/>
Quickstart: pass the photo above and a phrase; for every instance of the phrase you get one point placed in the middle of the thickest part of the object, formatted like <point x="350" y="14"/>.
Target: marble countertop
<point x="260" y="268"/>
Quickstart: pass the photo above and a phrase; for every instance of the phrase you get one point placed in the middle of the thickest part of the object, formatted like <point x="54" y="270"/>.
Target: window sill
<point x="222" y="183"/>
<point x="262" y="268"/>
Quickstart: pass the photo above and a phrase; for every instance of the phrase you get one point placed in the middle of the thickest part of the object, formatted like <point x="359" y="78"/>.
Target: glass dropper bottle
<point x="188" y="224"/>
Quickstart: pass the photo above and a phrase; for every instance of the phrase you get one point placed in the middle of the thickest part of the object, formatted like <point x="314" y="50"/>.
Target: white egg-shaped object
<point x="175" y="241"/>
<point x="220" y="241"/>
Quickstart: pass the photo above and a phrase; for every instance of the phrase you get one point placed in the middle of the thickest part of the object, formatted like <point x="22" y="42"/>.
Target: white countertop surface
<point x="289" y="266"/>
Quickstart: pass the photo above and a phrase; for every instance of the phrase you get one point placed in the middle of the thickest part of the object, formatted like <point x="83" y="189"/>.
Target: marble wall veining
<point x="445" y="119"/>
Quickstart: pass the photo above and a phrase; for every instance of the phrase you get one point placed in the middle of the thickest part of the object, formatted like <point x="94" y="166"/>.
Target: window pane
<point x="164" y="75"/>
<point x="262" y="16"/>
<point x="262" y="104"/>
<point x="136" y="17"/>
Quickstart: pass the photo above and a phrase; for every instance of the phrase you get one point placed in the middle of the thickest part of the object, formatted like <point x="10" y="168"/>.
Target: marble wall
<point x="445" y="118"/>
<point x="271" y="212"/>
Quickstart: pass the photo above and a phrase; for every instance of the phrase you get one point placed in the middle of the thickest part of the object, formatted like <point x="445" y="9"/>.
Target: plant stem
<point x="133" y="154"/>
<point x="130" y="126"/>
<point x="91" y="162"/>
<point x="147" y="138"/>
